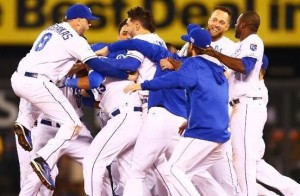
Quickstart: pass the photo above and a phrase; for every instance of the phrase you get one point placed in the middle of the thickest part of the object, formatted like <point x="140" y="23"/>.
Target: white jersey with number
<point x="247" y="85"/>
<point x="55" y="51"/>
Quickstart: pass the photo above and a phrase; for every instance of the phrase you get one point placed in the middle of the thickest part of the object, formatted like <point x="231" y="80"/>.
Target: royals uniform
<point x="202" y="144"/>
<point x="117" y="137"/>
<point x="248" y="114"/>
<point x="167" y="112"/>
<point x="53" y="54"/>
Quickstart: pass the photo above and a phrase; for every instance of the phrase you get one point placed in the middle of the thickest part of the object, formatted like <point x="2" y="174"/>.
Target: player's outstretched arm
<point x="154" y="52"/>
<point x="233" y="63"/>
<point x="106" y="69"/>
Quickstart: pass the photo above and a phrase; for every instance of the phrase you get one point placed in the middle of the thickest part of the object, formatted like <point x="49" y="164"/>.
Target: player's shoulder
<point x="63" y="30"/>
<point x="226" y="40"/>
<point x="253" y="38"/>
<point x="152" y="38"/>
<point x="253" y="42"/>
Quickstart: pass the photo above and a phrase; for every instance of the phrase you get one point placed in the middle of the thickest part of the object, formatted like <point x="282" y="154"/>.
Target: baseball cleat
<point x="41" y="168"/>
<point x="23" y="135"/>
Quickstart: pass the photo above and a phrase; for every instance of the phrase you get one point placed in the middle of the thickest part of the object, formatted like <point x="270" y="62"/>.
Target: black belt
<point x="49" y="123"/>
<point x="236" y="101"/>
<point x="135" y="109"/>
<point x="30" y="74"/>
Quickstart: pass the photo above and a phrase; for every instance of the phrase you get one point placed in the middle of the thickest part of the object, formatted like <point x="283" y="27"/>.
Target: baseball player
<point x="249" y="111"/>
<point x="167" y="111"/>
<point x="116" y="137"/>
<point x="35" y="83"/>
<point x="203" y="140"/>
<point x="218" y="23"/>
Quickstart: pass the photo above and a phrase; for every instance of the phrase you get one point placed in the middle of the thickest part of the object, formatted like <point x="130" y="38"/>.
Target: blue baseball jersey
<point x="207" y="97"/>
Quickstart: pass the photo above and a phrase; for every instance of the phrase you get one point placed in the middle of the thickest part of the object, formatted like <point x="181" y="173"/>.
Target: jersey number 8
<point x="41" y="44"/>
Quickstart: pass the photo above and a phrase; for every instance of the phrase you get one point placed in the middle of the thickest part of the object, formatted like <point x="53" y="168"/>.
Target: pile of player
<point x="173" y="123"/>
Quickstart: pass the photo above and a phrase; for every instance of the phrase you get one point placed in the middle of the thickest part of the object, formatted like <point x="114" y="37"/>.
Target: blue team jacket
<point x="207" y="97"/>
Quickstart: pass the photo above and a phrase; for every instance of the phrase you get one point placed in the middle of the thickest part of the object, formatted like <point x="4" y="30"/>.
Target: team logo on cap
<point x="253" y="47"/>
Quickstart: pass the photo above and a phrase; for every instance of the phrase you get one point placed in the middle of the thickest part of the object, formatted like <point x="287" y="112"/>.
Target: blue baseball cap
<point x="79" y="11"/>
<point x="198" y="36"/>
<point x="265" y="62"/>
<point x="190" y="27"/>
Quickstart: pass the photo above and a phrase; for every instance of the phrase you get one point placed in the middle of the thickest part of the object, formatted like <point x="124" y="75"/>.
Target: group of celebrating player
<point x="173" y="123"/>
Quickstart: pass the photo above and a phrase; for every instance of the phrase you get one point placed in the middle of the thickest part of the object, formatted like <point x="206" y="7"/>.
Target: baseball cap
<point x="190" y="27"/>
<point x="198" y="36"/>
<point x="79" y="11"/>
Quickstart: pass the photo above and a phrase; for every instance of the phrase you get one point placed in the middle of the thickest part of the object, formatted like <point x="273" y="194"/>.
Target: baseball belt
<point x="237" y="101"/>
<point x="118" y="111"/>
<point x="50" y="123"/>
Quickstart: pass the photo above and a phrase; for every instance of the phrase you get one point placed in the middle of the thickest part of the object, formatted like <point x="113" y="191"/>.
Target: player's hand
<point x="175" y="63"/>
<point x="165" y="64"/>
<point x="102" y="52"/>
<point x="132" y="87"/>
<point x="209" y="51"/>
<point x="133" y="76"/>
<point x="182" y="128"/>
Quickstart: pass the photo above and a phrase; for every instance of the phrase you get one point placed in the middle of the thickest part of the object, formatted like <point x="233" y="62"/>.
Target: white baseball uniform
<point x="248" y="115"/>
<point x="53" y="54"/>
<point x="158" y="134"/>
<point x="118" y="136"/>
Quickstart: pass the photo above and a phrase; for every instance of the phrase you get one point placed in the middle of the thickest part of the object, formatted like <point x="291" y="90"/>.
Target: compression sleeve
<point x="106" y="69"/>
<point x="249" y="63"/>
<point x="95" y="79"/>
<point x="126" y="64"/>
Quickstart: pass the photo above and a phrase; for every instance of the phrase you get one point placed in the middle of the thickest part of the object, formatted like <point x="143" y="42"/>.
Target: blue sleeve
<point x="98" y="46"/>
<point x="248" y="63"/>
<point x="152" y="51"/>
<point x="95" y="79"/>
<point x="126" y="64"/>
<point x="184" y="78"/>
<point x="106" y="69"/>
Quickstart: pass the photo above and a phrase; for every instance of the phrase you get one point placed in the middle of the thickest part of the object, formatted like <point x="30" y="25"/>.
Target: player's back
<point x="111" y="95"/>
